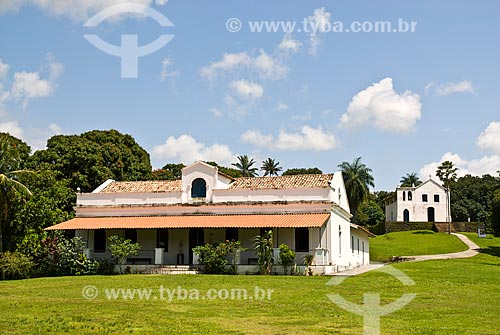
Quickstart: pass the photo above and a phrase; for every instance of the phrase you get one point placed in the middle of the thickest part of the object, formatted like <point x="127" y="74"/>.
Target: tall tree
<point x="411" y="179"/>
<point x="495" y="213"/>
<point x="89" y="159"/>
<point x="447" y="173"/>
<point x="271" y="167"/>
<point x="245" y="166"/>
<point x="357" y="179"/>
<point x="13" y="154"/>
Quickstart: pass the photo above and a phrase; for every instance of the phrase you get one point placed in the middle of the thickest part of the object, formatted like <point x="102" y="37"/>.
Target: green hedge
<point x="405" y="226"/>
<point x="389" y="227"/>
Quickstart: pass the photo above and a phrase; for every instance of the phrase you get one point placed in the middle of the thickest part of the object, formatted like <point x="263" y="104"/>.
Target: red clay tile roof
<point x="293" y="181"/>
<point x="253" y="183"/>
<point x="150" y="186"/>
<point x="197" y="221"/>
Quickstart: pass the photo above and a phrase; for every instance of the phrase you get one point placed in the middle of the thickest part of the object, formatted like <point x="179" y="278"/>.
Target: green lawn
<point x="411" y="243"/>
<point x="452" y="297"/>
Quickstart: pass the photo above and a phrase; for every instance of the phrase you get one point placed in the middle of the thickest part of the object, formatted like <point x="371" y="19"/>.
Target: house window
<point x="352" y="244"/>
<point x="131" y="234"/>
<point x="231" y="234"/>
<point x="404" y="196"/>
<point x="409" y="196"/>
<point x="302" y="239"/>
<point x="199" y="188"/>
<point x="406" y="215"/>
<point x="424" y="198"/>
<point x="436" y="197"/>
<point x="99" y="240"/>
<point x="162" y="238"/>
<point x="358" y="246"/>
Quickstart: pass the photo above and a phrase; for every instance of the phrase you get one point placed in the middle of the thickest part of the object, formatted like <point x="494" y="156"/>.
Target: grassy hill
<point x="411" y="243"/>
<point x="452" y="297"/>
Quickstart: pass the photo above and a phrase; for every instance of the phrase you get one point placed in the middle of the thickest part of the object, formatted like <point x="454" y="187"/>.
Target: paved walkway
<point x="471" y="252"/>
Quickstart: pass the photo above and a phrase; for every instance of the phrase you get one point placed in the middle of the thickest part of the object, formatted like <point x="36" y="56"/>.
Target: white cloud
<point x="317" y="24"/>
<point x="247" y="89"/>
<point x="308" y="138"/>
<point x="289" y="45"/>
<point x="281" y="106"/>
<point x="267" y="67"/>
<point x="229" y="62"/>
<point x="381" y="106"/>
<point x="77" y="10"/>
<point x="11" y="127"/>
<point x="475" y="167"/>
<point x="29" y="85"/>
<point x="303" y="117"/>
<point x="55" y="69"/>
<point x="216" y="112"/>
<point x="270" y="68"/>
<point x="489" y="139"/>
<point x="166" y="72"/>
<point x="4" y="69"/>
<point x="185" y="149"/>
<point x="450" y="88"/>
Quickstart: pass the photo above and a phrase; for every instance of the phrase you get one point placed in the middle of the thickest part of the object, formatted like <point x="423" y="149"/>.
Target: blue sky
<point x="404" y="101"/>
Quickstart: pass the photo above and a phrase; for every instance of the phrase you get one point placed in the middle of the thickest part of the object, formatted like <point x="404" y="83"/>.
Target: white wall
<point x="269" y="195"/>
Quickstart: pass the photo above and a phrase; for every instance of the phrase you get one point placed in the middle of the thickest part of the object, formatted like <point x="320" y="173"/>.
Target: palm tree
<point x="264" y="248"/>
<point x="271" y="167"/>
<point x="411" y="179"/>
<point x="357" y="180"/>
<point x="10" y="187"/>
<point x="245" y="166"/>
<point x="447" y="173"/>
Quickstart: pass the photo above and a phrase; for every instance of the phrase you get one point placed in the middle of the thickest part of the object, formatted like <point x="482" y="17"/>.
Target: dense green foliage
<point x="471" y="197"/>
<point x="13" y="154"/>
<point x="89" y="159"/>
<point x="214" y="257"/>
<point x="168" y="172"/>
<point x="369" y="213"/>
<point x="295" y="171"/>
<point x="495" y="213"/>
<point x="15" y="265"/>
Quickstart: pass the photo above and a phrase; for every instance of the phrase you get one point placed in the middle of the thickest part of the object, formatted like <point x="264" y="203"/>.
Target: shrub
<point x="287" y="257"/>
<point x="122" y="248"/>
<point x="308" y="262"/>
<point x="264" y="249"/>
<point x="215" y="256"/>
<point x="105" y="267"/>
<point x="15" y="265"/>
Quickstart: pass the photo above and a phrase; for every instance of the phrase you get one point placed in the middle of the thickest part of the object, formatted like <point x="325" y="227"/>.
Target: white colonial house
<point x="427" y="202"/>
<point x="309" y="213"/>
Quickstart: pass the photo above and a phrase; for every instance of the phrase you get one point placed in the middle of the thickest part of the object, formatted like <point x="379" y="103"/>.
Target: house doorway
<point x="430" y="214"/>
<point x="406" y="215"/>
<point x="196" y="238"/>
